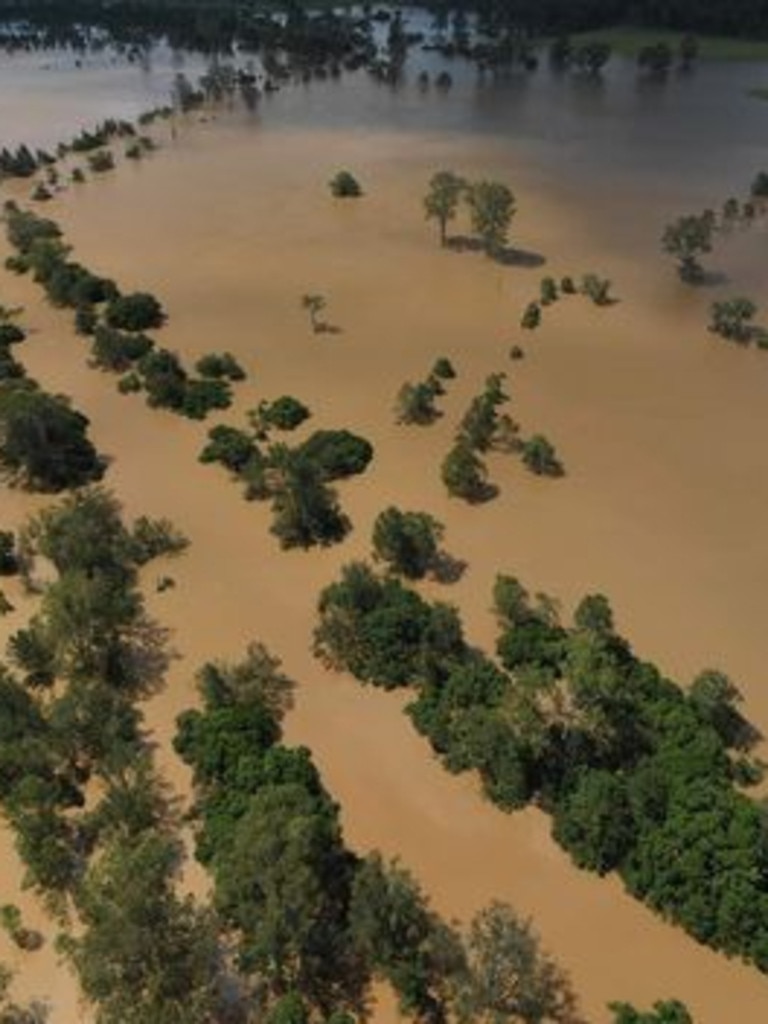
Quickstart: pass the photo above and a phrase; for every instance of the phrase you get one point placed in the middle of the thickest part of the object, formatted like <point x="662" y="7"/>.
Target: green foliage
<point x="137" y="312"/>
<point x="531" y="317"/>
<point x="481" y="427"/>
<point x="116" y="350"/>
<point x="144" y="953"/>
<point x="223" y="366"/>
<point x="305" y="509"/>
<point x="344" y="185"/>
<point x="155" y="537"/>
<point x="43" y="442"/>
<point x="441" y="202"/>
<point x="597" y="289"/>
<point x="548" y="291"/>
<point x="402" y="938"/>
<point x="509" y="978"/>
<point x="637" y="774"/>
<point x="667" y="1012"/>
<point x="231" y="447"/>
<point x="464" y="473"/>
<point x="415" y="403"/>
<point x="100" y="161"/>
<point x="687" y="239"/>
<point x="406" y="541"/>
<point x="284" y="413"/>
<point x="337" y="454"/>
<point x="491" y="207"/>
<point x="382" y="632"/>
<point x="732" y="319"/>
<point x="443" y="369"/>
<point x="540" y="457"/>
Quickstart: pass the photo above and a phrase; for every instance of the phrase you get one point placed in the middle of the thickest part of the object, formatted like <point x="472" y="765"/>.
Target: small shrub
<point x="344" y="185"/>
<point x="101" y="161"/>
<point x="443" y="369"/>
<point x="531" y="317"/>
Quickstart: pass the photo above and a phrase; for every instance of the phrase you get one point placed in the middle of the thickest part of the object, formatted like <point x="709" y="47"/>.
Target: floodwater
<point x="662" y="430"/>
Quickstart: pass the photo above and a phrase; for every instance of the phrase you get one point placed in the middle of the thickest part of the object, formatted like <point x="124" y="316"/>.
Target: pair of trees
<point x="491" y="208"/>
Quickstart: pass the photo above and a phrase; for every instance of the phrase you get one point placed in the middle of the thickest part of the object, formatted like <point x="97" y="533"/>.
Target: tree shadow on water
<point x="507" y="257"/>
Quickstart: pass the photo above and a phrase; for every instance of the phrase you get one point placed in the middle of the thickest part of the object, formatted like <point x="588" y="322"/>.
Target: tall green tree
<point x="491" y="207"/>
<point x="442" y="200"/>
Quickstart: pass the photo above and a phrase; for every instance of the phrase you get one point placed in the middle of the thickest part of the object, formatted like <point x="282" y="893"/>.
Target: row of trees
<point x="639" y="775"/>
<point x="311" y="922"/>
<point x="116" y="323"/>
<point x="692" y="236"/>
<point x="44" y="443"/>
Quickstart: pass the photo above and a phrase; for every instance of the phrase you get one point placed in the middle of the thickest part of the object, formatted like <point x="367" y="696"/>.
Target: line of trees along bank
<point x="207" y="25"/>
<point x="638" y="775"/>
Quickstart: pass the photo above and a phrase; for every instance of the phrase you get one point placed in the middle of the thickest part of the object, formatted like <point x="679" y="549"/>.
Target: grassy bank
<point x="628" y="41"/>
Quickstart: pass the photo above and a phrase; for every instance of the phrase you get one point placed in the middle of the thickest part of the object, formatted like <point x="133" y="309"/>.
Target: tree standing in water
<point x="442" y="200"/>
<point x="491" y="206"/>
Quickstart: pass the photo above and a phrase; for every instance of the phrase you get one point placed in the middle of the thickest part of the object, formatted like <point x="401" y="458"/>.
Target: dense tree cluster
<point x="297" y="480"/>
<point x="313" y="923"/>
<point x="639" y="775"/>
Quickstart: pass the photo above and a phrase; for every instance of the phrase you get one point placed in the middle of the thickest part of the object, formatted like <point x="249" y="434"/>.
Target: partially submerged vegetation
<point x="631" y="767"/>
<point x="116" y="322"/>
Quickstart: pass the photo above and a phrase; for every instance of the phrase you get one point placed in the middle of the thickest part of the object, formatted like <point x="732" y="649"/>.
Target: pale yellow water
<point x="662" y="431"/>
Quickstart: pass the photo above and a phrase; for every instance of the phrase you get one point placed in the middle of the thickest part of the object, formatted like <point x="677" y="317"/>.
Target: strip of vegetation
<point x="44" y="444"/>
<point x="639" y="775"/>
<point x="116" y="322"/>
<point x="312" y="923"/>
<point x="693" y="236"/>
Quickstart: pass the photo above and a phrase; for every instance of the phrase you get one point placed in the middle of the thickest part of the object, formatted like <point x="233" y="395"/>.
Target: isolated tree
<point x="509" y="978"/>
<point x="314" y="305"/>
<point x="406" y="541"/>
<point x="759" y="188"/>
<point x="655" y="58"/>
<point x="344" y="185"/>
<point x="415" y="403"/>
<point x="492" y="206"/>
<point x="531" y="317"/>
<point x="442" y="201"/>
<point x="687" y="239"/>
<point x="540" y="457"/>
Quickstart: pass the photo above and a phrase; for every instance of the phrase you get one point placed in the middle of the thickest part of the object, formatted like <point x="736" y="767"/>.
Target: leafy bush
<point x="345" y="185"/>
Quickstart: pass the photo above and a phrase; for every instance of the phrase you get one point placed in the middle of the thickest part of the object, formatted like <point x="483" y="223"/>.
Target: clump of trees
<point x="688" y="239"/>
<point x="297" y="480"/>
<point x="311" y="922"/>
<point x="669" y="1011"/>
<point x="491" y="207"/>
<point x="631" y="767"/>
<point x="407" y="542"/>
<point x="732" y="320"/>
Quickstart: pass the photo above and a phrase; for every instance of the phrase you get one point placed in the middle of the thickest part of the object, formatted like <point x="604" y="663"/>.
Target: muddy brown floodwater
<point x="661" y="428"/>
